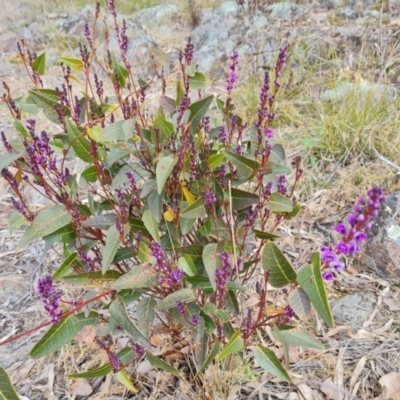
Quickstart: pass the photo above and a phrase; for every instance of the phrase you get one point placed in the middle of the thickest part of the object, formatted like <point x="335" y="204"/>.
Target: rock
<point x="382" y="251"/>
<point x="160" y="14"/>
<point x="75" y="24"/>
<point x="378" y="92"/>
<point x="34" y="36"/>
<point x="285" y="10"/>
<point x="347" y="13"/>
<point x="353" y="309"/>
<point x="371" y="14"/>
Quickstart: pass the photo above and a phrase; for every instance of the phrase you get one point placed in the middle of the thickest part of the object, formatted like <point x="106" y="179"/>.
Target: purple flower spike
<point x="354" y="248"/>
<point x="51" y="298"/>
<point x="341" y="228"/>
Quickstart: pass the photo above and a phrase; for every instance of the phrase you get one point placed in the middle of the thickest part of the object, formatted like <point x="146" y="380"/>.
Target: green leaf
<point x="299" y="337"/>
<point x="19" y="127"/>
<point x="186" y="224"/>
<point x="128" y="127"/>
<point x="74" y="63"/>
<point x="79" y="143"/>
<point x="16" y="221"/>
<point x="265" y="235"/>
<point x="295" y="211"/>
<point x="123" y="378"/>
<point x="47" y="221"/>
<point x="65" y="235"/>
<point x="46" y="99"/>
<point x="95" y="279"/>
<point x="195" y="210"/>
<point x="279" y="203"/>
<point x="246" y="167"/>
<point x="7" y="391"/>
<point x="90" y="174"/>
<point x="232" y="304"/>
<point x="277" y="154"/>
<point x="198" y="81"/>
<point x="65" y="268"/>
<point x="157" y="363"/>
<point x="300" y="302"/>
<point x="114" y="132"/>
<point x="118" y="312"/>
<point x="214" y="351"/>
<point x="151" y="225"/>
<point x="57" y="336"/>
<point x="242" y="199"/>
<point x="310" y="279"/>
<point x="186" y="264"/>
<point x="122" y="72"/>
<point x="7" y="159"/>
<point x="278" y="336"/>
<point x="282" y="273"/>
<point x="267" y="359"/>
<point x="146" y="314"/>
<point x="95" y="133"/>
<point x="198" y="111"/>
<point x="212" y="261"/>
<point x="155" y="203"/>
<point x="110" y="249"/>
<point x="166" y="126"/>
<point x="137" y="278"/>
<point x="215" y="161"/>
<point x="185" y="295"/>
<point x="39" y="64"/>
<point x="163" y="170"/>
<point x="104" y="221"/>
<point x="126" y="355"/>
<point x="179" y="93"/>
<point x="122" y="255"/>
<point x="234" y="345"/>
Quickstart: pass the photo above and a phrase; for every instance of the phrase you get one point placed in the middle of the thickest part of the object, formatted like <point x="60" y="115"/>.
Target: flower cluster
<point x="233" y="74"/>
<point x="221" y="274"/>
<point x="167" y="274"/>
<point x="51" y="298"/>
<point x="209" y="197"/>
<point x="181" y="308"/>
<point x="352" y="235"/>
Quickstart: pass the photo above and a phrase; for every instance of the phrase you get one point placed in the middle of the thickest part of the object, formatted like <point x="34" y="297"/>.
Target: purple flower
<point x="360" y="236"/>
<point x="114" y="361"/>
<point x="327" y="254"/>
<point x="51" y="298"/>
<point x="209" y="197"/>
<point x="138" y="349"/>
<point x="328" y="276"/>
<point x="221" y="274"/>
<point x="195" y="319"/>
<point x="337" y="265"/>
<point x="341" y="228"/>
<point x="342" y="248"/>
<point x="181" y="308"/>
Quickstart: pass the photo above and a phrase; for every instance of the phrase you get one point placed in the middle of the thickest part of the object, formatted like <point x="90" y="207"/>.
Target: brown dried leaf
<point x="86" y="335"/>
<point x="81" y="388"/>
<point x="390" y="386"/>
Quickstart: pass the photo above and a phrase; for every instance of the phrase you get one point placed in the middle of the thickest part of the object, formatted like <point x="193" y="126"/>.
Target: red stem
<point x="36" y="328"/>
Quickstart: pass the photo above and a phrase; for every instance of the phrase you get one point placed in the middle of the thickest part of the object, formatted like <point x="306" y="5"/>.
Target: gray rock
<point x="259" y="20"/>
<point x="371" y="14"/>
<point x="378" y="92"/>
<point x="34" y="36"/>
<point x="285" y="10"/>
<point x="347" y="13"/>
<point x="75" y="24"/>
<point x="353" y="309"/>
<point x="382" y="251"/>
<point x="162" y="13"/>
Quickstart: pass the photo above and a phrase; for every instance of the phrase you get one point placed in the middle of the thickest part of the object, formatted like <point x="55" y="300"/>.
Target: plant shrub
<point x="175" y="208"/>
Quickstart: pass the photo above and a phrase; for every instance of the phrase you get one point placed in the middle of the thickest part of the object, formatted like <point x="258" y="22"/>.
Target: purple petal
<point x="328" y="276"/>
<point x="342" y="247"/>
<point x="360" y="236"/>
<point x="341" y="228"/>
<point x="337" y="265"/>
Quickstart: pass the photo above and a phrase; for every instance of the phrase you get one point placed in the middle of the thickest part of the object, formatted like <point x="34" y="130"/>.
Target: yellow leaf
<point x="188" y="196"/>
<point x="169" y="215"/>
<point x="274" y="311"/>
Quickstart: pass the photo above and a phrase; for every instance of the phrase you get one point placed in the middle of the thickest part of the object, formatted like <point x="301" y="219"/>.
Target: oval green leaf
<point x="278" y="203"/>
<point x="7" y="391"/>
<point x="185" y="295"/>
<point x="267" y="359"/>
<point x="157" y="363"/>
<point x="163" y="170"/>
<point x="282" y="273"/>
<point x="310" y="279"/>
<point x="234" y="345"/>
<point x="48" y="221"/>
